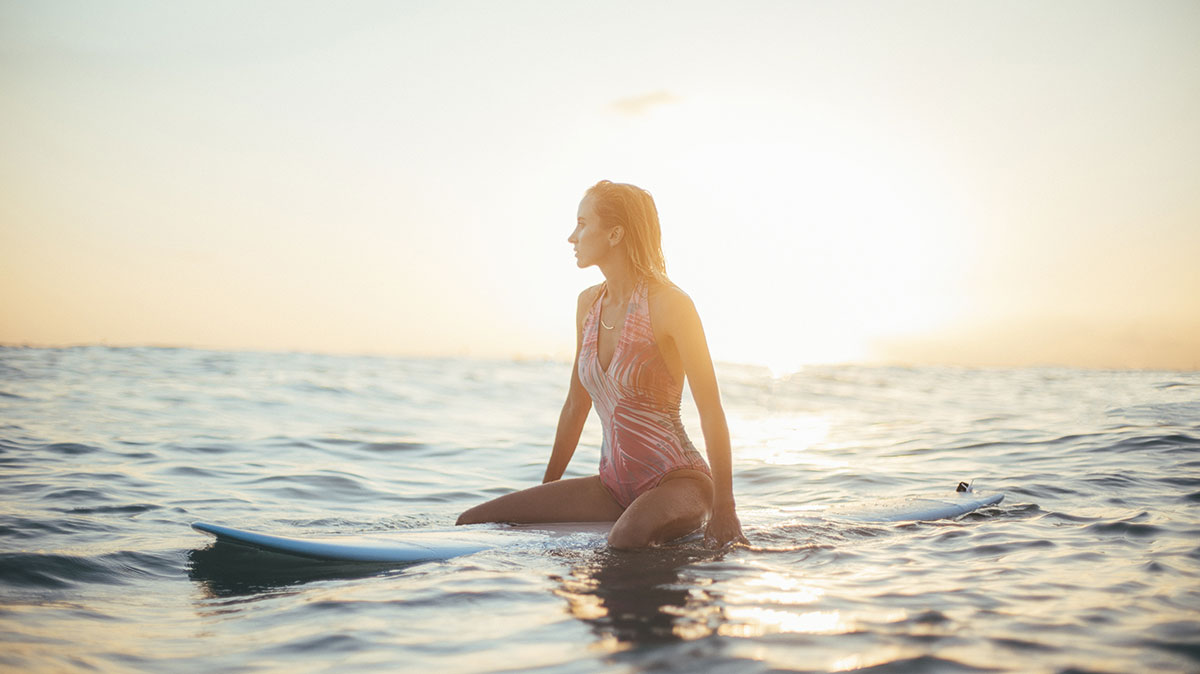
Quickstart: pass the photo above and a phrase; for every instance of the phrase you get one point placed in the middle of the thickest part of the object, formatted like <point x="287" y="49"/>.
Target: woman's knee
<point x="673" y="509"/>
<point x="636" y="534"/>
<point x="469" y="516"/>
<point x="480" y="514"/>
<point x="626" y="535"/>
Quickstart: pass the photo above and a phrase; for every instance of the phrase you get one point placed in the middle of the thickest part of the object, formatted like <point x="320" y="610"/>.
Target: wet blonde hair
<point x="633" y="208"/>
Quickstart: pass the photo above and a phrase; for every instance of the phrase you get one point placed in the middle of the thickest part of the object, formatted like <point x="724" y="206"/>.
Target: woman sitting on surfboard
<point x="637" y="336"/>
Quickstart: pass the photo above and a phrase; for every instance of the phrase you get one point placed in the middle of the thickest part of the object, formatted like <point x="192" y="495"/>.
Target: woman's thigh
<point x="580" y="499"/>
<point x="676" y="507"/>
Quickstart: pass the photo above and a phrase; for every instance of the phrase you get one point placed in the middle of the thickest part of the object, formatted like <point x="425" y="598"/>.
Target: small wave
<point x="929" y="617"/>
<point x="77" y="494"/>
<point x="319" y="487"/>
<point x="1166" y="385"/>
<point x="388" y="447"/>
<point x="128" y="509"/>
<point x="1172" y="441"/>
<point x="197" y="472"/>
<point x="70" y="448"/>
<point x="206" y="449"/>
<point x="328" y="643"/>
<point x="1112" y="481"/>
<point x="317" y="387"/>
<point x="328" y="524"/>
<point x="1125" y="528"/>
<point x="1081" y="557"/>
<point x="922" y="664"/>
<point x="1163" y="414"/>
<point x="335" y="442"/>
<point x="1066" y="517"/>
<point x="1188" y="649"/>
<point x="24" y="528"/>
<point x="1181" y="481"/>
<point x="88" y="477"/>
<point x="1022" y="645"/>
<point x="1042" y="487"/>
<point x="8" y="443"/>
<point x="27" y="570"/>
<point x="999" y="549"/>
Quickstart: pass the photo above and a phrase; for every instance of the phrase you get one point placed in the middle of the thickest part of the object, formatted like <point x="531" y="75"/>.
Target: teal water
<point x="1090" y="564"/>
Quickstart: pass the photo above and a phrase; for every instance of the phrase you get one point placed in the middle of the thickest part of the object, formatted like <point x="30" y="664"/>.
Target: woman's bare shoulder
<point x="589" y="295"/>
<point x="670" y="299"/>
<point x="587" y="298"/>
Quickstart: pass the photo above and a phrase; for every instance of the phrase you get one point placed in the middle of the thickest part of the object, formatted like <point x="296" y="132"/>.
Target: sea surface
<point x="1091" y="563"/>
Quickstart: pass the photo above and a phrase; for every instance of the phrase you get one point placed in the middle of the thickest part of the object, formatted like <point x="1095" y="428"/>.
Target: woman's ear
<point x="615" y="235"/>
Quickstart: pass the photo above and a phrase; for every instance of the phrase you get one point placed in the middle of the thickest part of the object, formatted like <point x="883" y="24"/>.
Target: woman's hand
<point x="724" y="529"/>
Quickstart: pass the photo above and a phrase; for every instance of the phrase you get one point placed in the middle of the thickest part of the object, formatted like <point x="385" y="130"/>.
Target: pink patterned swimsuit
<point x="637" y="400"/>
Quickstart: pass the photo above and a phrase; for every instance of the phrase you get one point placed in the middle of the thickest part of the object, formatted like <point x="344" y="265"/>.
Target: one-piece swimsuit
<point x="637" y="399"/>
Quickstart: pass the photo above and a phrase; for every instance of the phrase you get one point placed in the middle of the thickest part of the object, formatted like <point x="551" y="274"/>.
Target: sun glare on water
<point x="784" y="441"/>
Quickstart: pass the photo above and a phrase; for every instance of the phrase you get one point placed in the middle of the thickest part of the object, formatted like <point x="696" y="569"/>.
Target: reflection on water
<point x="225" y="571"/>
<point x="640" y="597"/>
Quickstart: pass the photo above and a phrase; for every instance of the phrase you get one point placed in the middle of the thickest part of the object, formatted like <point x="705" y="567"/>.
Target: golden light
<point x="754" y="621"/>
<point x="783" y="441"/>
<point x="802" y="241"/>
<point x="776" y="588"/>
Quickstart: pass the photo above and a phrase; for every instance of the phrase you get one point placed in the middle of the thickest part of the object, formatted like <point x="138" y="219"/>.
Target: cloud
<point x="640" y="105"/>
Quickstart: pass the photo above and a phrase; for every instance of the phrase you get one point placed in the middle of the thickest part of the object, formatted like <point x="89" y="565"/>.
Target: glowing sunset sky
<point x="952" y="182"/>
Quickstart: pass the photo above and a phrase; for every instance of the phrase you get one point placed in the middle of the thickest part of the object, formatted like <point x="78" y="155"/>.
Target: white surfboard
<point x="916" y="508"/>
<point x="421" y="545"/>
<point x="425" y="545"/>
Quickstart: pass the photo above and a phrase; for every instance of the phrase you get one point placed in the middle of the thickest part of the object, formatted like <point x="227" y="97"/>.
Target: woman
<point x="637" y="336"/>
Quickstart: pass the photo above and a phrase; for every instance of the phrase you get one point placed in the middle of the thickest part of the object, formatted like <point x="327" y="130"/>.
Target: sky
<point x="929" y="183"/>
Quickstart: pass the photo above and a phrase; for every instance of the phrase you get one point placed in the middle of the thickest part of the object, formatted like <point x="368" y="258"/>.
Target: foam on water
<point x="1090" y="563"/>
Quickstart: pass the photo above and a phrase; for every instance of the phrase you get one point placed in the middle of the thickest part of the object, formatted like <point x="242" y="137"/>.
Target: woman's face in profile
<point x="590" y="237"/>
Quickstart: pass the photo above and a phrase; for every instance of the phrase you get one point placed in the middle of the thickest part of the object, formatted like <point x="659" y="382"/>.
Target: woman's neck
<point x="620" y="279"/>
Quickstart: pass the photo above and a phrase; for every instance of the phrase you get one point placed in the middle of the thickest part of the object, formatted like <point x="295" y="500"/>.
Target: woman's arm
<point x="579" y="403"/>
<point x="685" y="330"/>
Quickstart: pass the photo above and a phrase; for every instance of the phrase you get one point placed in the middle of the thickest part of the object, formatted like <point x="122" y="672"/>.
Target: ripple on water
<point x="391" y="447"/>
<point x="319" y="486"/>
<point x="1177" y="636"/>
<point x="48" y="571"/>
<point x="1126" y="527"/>
<point x="79" y="494"/>
<point x="123" y="509"/>
<point x="18" y="528"/>
<point x="197" y="472"/>
<point x="70" y="448"/>
<point x="206" y="449"/>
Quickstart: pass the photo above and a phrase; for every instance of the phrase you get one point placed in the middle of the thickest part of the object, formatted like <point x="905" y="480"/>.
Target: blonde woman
<point x="638" y="337"/>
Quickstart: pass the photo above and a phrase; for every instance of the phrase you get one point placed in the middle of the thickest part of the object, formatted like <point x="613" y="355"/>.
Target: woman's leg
<point x="580" y="499"/>
<point x="676" y="507"/>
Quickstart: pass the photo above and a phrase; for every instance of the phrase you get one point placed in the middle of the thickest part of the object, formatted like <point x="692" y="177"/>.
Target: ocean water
<point x="1091" y="563"/>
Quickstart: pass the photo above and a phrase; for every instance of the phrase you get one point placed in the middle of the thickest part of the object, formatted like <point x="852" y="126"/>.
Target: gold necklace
<point x="601" y="315"/>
